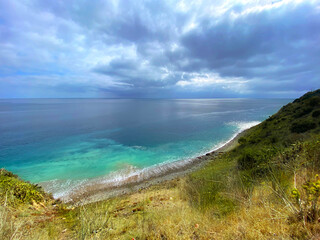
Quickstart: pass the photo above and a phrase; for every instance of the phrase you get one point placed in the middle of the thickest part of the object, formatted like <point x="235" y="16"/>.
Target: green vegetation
<point x="15" y="191"/>
<point x="26" y="211"/>
<point x="283" y="154"/>
<point x="267" y="187"/>
<point x="316" y="113"/>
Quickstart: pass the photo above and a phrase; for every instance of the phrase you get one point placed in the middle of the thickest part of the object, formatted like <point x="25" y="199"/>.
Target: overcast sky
<point x="160" y="49"/>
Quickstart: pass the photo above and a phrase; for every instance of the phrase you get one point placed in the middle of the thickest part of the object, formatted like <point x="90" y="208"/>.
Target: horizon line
<point x="146" y="98"/>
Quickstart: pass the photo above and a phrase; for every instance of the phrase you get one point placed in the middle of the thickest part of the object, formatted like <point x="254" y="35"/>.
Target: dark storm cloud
<point x="274" y="43"/>
<point x="160" y="48"/>
<point x="135" y="75"/>
<point x="269" y="45"/>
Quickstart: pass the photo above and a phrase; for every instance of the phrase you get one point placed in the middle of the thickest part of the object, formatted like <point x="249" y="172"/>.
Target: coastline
<point x="99" y="191"/>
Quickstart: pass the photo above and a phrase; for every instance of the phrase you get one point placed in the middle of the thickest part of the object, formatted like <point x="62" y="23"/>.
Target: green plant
<point x="242" y="140"/>
<point x="314" y="101"/>
<point x="255" y="159"/>
<point x="316" y="113"/>
<point x="307" y="203"/>
<point x="15" y="191"/>
<point x="302" y="126"/>
<point x="303" y="111"/>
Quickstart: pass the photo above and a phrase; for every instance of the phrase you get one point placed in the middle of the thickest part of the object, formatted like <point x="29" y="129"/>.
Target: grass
<point x="206" y="189"/>
<point x="14" y="191"/>
<point x="27" y="212"/>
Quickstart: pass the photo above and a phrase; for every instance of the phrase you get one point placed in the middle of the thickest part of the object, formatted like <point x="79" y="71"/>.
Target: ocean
<point x="62" y="144"/>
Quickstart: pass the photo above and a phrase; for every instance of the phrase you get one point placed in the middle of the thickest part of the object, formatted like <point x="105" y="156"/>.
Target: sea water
<point x="63" y="143"/>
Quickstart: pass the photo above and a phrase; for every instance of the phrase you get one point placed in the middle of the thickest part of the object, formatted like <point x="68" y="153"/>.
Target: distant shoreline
<point x="95" y="192"/>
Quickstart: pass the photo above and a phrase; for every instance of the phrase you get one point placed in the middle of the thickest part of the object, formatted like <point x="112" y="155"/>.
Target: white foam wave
<point x="62" y="188"/>
<point x="242" y="125"/>
<point x="139" y="147"/>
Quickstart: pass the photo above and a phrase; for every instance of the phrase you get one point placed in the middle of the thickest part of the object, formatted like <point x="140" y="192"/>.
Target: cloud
<point x="159" y="48"/>
<point x="247" y="44"/>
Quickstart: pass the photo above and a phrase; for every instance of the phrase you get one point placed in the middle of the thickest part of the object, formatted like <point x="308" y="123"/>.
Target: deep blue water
<point x="70" y="140"/>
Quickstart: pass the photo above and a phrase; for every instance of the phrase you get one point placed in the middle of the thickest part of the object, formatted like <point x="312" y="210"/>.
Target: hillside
<point x="267" y="187"/>
<point x="295" y="121"/>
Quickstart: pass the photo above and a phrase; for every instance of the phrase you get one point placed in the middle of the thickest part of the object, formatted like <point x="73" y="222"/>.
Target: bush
<point x="270" y="118"/>
<point x="247" y="160"/>
<point x="256" y="160"/>
<point x="273" y="139"/>
<point x="307" y="203"/>
<point x="17" y="190"/>
<point x="316" y="113"/>
<point x="255" y="140"/>
<point x="242" y="140"/>
<point x="303" y="126"/>
<point x="303" y="111"/>
<point x="314" y="101"/>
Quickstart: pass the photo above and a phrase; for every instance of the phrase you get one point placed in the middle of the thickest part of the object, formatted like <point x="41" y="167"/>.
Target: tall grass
<point x="10" y="228"/>
<point x="225" y="187"/>
<point x="93" y="219"/>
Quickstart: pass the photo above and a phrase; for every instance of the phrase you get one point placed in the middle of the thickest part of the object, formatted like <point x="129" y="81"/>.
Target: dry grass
<point x="9" y="229"/>
<point x="36" y="221"/>
<point x="160" y="212"/>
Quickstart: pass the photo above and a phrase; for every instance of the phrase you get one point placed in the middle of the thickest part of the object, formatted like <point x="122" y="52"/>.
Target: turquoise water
<point x="62" y="143"/>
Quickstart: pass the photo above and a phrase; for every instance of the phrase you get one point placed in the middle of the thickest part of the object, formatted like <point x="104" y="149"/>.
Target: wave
<point x="241" y="125"/>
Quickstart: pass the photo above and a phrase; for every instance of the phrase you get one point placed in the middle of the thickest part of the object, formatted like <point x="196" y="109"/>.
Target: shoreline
<point x="99" y="191"/>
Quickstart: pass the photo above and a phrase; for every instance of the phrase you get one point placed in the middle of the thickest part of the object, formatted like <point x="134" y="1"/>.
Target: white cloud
<point x="212" y="79"/>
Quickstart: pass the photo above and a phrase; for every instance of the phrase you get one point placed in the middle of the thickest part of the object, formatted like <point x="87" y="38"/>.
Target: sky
<point x="159" y="49"/>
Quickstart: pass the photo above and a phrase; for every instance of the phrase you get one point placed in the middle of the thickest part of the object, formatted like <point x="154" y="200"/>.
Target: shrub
<point x="307" y="203"/>
<point x="316" y="113"/>
<point x="302" y="126"/>
<point x="254" y="140"/>
<point x="242" y="140"/>
<point x="303" y="111"/>
<point x="247" y="160"/>
<point x="273" y="139"/>
<point x="256" y="160"/>
<point x="18" y="190"/>
<point x="270" y="118"/>
<point x="314" y="101"/>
